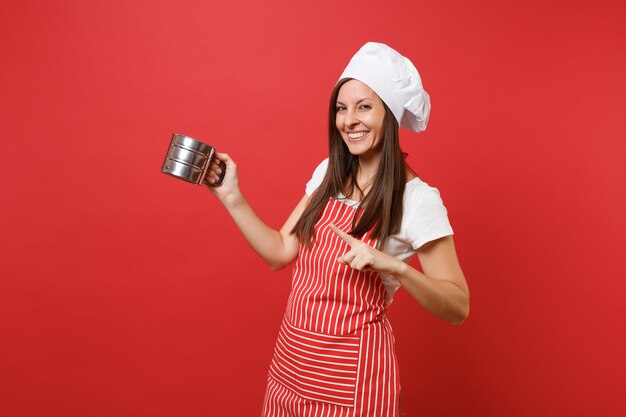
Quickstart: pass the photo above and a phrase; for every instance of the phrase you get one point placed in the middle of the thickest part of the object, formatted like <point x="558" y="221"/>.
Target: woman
<point x="363" y="215"/>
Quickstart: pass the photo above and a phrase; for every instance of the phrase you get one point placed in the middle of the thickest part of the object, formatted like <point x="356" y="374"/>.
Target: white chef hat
<point x="396" y="81"/>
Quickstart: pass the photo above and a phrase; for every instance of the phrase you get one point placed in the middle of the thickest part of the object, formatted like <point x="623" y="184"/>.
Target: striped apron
<point x="335" y="353"/>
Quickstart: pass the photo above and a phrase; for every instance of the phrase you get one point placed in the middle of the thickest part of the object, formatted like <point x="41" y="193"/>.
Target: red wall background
<point x="125" y="292"/>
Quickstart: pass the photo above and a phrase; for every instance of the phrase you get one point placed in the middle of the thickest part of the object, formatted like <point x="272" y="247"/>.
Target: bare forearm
<point x="277" y="248"/>
<point x="445" y="296"/>
<point x="442" y="298"/>
<point x="267" y="242"/>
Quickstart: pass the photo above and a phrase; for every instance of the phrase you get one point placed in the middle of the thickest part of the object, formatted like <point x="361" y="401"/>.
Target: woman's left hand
<point x="363" y="257"/>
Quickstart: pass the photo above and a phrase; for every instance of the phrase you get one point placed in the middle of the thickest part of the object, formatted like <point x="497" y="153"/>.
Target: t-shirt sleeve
<point x="317" y="177"/>
<point x="427" y="218"/>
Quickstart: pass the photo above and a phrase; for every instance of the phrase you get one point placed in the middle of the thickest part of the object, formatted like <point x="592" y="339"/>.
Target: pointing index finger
<point x="350" y="240"/>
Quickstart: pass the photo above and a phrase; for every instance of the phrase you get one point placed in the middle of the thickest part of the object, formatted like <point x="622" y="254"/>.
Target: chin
<point x="359" y="150"/>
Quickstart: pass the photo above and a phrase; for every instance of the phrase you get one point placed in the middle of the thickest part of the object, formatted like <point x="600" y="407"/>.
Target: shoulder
<point x="418" y="192"/>
<point x="317" y="177"/>
<point x="425" y="217"/>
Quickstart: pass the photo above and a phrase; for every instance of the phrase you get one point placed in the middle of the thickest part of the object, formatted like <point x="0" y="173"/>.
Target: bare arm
<point x="277" y="247"/>
<point x="441" y="289"/>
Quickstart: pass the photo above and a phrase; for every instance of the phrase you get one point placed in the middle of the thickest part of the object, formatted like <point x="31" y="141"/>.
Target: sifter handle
<point x="221" y="179"/>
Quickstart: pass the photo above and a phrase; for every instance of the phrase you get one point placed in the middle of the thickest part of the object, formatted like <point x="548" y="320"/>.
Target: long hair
<point x="381" y="208"/>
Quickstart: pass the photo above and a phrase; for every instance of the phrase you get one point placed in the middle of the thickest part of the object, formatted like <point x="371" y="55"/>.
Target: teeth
<point x="356" y="135"/>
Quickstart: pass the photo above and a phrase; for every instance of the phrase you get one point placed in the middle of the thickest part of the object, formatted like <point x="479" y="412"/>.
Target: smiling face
<point x="360" y="119"/>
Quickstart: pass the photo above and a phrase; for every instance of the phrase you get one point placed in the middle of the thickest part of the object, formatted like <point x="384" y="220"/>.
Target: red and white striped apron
<point x="335" y="353"/>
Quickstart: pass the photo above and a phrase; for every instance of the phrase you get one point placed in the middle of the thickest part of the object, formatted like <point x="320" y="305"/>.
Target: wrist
<point x="232" y="199"/>
<point x="399" y="269"/>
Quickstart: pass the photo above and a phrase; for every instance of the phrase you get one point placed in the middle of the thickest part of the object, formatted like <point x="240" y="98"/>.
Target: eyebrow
<point x="363" y="99"/>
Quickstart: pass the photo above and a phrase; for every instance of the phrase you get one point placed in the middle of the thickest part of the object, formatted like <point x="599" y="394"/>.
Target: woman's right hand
<point x="230" y="185"/>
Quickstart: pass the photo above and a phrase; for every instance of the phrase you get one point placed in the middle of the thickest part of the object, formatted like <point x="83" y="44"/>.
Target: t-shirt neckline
<point x="353" y="203"/>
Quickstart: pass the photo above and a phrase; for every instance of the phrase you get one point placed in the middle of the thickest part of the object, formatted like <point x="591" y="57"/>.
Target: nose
<point x="350" y="118"/>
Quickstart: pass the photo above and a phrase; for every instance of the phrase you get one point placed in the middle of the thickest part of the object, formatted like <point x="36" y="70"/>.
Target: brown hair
<point x="381" y="207"/>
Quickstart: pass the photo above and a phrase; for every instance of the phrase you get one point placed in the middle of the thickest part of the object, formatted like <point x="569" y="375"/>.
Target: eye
<point x="365" y="106"/>
<point x="340" y="108"/>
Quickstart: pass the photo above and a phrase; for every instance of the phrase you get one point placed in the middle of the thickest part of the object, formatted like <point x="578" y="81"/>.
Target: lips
<point x="357" y="136"/>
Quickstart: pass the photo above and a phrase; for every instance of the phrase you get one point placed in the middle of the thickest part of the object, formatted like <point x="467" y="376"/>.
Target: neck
<point x="368" y="167"/>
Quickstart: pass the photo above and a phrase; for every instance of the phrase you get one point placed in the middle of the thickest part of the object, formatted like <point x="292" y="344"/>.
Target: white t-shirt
<point x="424" y="218"/>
